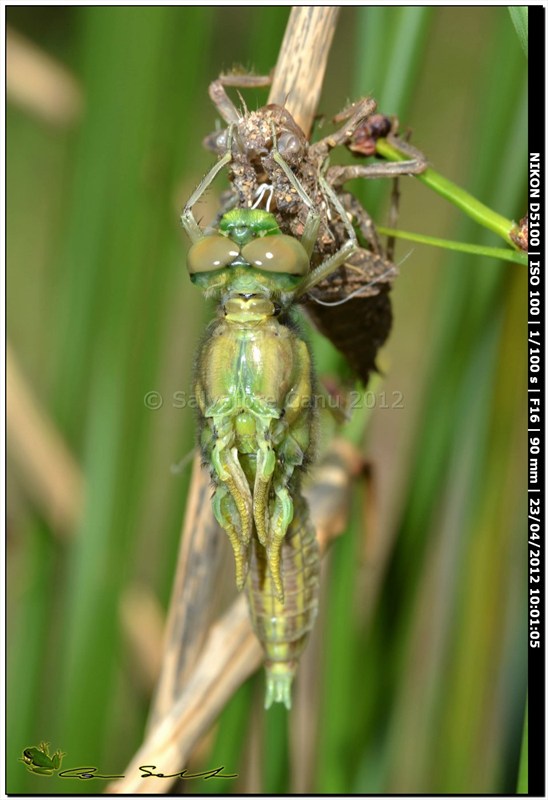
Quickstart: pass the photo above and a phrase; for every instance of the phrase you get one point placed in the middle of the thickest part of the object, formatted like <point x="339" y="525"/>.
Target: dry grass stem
<point x="39" y="84"/>
<point x="143" y="624"/>
<point x="188" y="617"/>
<point x="49" y="470"/>
<point x="298" y="77"/>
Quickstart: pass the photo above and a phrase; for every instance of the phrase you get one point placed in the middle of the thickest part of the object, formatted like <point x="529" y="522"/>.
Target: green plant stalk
<point x="523" y="775"/>
<point x="459" y="197"/>
<point x="520" y="18"/>
<point x="477" y="249"/>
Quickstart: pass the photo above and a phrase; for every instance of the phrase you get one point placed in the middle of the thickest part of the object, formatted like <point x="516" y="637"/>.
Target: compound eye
<point x="279" y="253"/>
<point x="289" y="146"/>
<point x="216" y="141"/>
<point x="210" y="253"/>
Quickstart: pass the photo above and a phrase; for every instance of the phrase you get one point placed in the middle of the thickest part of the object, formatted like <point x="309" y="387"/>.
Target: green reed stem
<point x="500" y="253"/>
<point x="523" y="775"/>
<point x="459" y="197"/>
<point x="520" y="18"/>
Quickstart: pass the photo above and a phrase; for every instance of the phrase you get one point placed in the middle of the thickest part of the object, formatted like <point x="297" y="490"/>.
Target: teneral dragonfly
<point x="255" y="390"/>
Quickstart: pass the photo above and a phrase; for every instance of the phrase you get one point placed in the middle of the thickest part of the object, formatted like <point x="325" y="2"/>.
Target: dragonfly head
<point x="248" y="257"/>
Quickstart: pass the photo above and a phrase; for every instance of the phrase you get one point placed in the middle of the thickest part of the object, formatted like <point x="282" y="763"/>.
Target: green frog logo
<point x="39" y="761"/>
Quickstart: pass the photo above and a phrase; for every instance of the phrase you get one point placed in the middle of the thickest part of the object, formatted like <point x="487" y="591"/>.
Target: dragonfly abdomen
<point x="283" y="628"/>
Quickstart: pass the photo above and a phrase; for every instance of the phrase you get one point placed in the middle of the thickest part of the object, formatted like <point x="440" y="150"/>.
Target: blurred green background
<point x="421" y="644"/>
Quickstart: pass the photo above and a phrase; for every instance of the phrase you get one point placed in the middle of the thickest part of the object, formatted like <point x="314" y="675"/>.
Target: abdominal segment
<point x="283" y="628"/>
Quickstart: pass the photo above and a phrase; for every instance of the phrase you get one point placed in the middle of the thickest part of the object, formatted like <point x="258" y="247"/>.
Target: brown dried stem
<point x="188" y="618"/>
<point x="51" y="475"/>
<point x="299" y="73"/>
<point x="40" y="84"/>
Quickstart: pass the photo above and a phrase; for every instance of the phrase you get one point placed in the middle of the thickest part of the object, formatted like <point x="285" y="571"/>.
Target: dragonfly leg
<point x="312" y="223"/>
<point x="363" y="221"/>
<point x="227" y="515"/>
<point x="337" y="259"/>
<point x="393" y="214"/>
<point x="281" y="519"/>
<point x="222" y="101"/>
<point x="232" y="501"/>
<point x="228" y="470"/>
<point x="192" y="229"/>
<point x="352" y="116"/>
<point x="266" y="462"/>
<point x="271" y="519"/>
<point x="292" y="441"/>
<point x="292" y="455"/>
<point x="415" y="164"/>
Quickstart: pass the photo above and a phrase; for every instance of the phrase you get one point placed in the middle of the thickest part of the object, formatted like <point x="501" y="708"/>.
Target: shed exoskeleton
<point x="359" y="290"/>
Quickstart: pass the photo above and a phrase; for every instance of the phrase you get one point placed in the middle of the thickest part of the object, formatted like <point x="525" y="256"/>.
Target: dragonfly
<point x="255" y="390"/>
